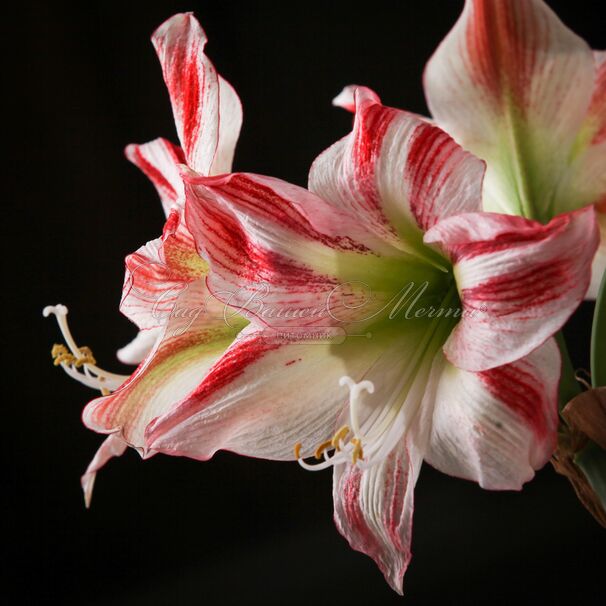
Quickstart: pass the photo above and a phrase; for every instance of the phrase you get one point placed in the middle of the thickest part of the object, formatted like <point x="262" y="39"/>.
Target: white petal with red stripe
<point x="275" y="246"/>
<point x="195" y="336"/>
<point x="374" y="507"/>
<point x="518" y="281"/>
<point x="207" y="135"/>
<point x="159" y="160"/>
<point x="112" y="446"/>
<point x="513" y="85"/>
<point x="158" y="272"/>
<point x="270" y="392"/>
<point x="397" y="173"/>
<point x="498" y="426"/>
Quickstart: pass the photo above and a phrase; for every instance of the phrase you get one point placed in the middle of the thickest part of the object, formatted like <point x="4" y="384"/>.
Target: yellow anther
<point x="58" y="349"/>
<point x="358" y="453"/>
<point x="322" y="448"/>
<point x="338" y="437"/>
<point x="61" y="354"/>
<point x="85" y="357"/>
<point x="298" y="447"/>
<point x="105" y="391"/>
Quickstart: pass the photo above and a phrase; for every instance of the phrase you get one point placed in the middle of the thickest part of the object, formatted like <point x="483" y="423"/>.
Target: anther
<point x="322" y="448"/>
<point x="79" y="362"/>
<point x="339" y="437"/>
<point x="86" y="357"/>
<point x="358" y="452"/>
<point x="61" y="355"/>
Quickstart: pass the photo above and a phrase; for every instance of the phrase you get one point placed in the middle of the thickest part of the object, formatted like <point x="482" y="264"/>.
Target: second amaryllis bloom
<point x="385" y="279"/>
<point x="182" y="327"/>
<point x="516" y="87"/>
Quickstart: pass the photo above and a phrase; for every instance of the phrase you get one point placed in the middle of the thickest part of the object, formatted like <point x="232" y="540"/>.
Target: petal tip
<point x="346" y="98"/>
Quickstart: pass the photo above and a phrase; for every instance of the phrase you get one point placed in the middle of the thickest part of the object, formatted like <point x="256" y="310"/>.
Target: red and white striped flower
<point x="513" y="85"/>
<point x="208" y="117"/>
<point x="461" y="371"/>
<point x="182" y="327"/>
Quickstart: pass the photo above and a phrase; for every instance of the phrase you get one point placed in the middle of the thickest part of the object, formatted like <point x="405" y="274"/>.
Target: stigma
<point x="346" y="445"/>
<point x="79" y="362"/>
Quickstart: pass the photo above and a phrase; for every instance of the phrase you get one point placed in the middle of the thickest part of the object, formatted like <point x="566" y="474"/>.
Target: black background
<point x="85" y="82"/>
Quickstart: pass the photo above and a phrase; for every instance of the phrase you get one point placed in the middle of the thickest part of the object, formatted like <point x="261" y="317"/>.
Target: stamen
<point x="339" y="437"/>
<point x="322" y="448"/>
<point x="76" y="358"/>
<point x="343" y="450"/>
<point x="61" y="355"/>
<point x="358" y="453"/>
<point x="86" y="357"/>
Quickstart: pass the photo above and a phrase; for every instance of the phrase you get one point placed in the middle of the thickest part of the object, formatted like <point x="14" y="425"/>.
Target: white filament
<point x="89" y="374"/>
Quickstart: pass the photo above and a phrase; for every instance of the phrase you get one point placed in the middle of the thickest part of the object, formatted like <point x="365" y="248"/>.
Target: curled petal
<point x="158" y="272"/>
<point x="230" y="122"/>
<point x="397" y="173"/>
<point x="159" y="160"/>
<point x="346" y="98"/>
<point x="140" y="347"/>
<point x="112" y="446"/>
<point x="207" y="111"/>
<point x="518" y="281"/>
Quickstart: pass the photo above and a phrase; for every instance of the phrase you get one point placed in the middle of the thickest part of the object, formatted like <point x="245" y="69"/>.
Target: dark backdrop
<point x="86" y="82"/>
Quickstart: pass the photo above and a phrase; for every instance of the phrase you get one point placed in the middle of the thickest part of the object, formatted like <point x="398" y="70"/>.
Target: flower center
<point x="374" y="431"/>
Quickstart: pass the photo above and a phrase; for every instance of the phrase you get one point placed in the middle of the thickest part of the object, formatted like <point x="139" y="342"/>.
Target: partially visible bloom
<point x="208" y="117"/>
<point x="183" y="328"/>
<point x="513" y="85"/>
<point x="461" y="371"/>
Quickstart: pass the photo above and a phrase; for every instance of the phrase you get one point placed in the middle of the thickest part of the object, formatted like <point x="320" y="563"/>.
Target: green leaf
<point x="592" y="461"/>
<point x="598" y="338"/>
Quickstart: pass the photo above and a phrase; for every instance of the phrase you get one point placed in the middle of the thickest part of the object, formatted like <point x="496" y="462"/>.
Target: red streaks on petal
<point x="366" y="539"/>
<point x="597" y="109"/>
<point x="154" y="175"/>
<point x="516" y="386"/>
<point x="501" y="59"/>
<point x="190" y="86"/>
<point x="372" y="123"/>
<point x="232" y="364"/>
<point x="428" y="170"/>
<point x="508" y="293"/>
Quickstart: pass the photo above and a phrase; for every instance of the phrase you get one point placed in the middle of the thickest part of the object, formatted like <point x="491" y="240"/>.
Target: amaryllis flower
<point x="512" y="84"/>
<point x="183" y="328"/>
<point x="387" y="280"/>
<point x="208" y="117"/>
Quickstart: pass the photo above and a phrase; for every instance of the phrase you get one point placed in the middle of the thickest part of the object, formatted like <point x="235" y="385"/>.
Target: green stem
<point x="569" y="386"/>
<point x="598" y="338"/>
